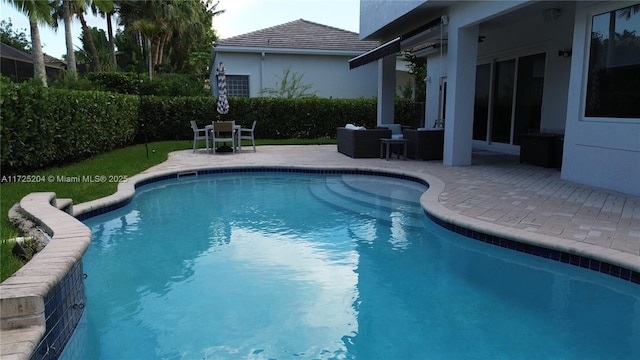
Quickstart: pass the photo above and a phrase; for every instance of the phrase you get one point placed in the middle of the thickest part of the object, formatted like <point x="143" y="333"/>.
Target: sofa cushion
<point x="396" y="130"/>
<point x="354" y="127"/>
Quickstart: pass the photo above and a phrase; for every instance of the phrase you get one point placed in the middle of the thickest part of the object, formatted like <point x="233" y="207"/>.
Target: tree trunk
<point x="149" y="55"/>
<point x="163" y="41"/>
<point x="39" y="70"/>
<point x="155" y="47"/>
<point x="71" y="58"/>
<point x="112" y="43"/>
<point x="97" y="66"/>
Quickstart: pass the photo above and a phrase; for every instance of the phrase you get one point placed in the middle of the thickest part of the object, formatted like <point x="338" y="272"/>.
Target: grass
<point x="119" y="163"/>
<point x="9" y="262"/>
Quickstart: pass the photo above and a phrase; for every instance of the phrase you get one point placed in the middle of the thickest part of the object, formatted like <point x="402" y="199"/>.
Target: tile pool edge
<point x="43" y="300"/>
<point x="612" y="262"/>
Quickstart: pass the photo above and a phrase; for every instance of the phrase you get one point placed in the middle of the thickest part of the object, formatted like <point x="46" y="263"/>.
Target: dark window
<point x="238" y="85"/>
<point x="613" y="85"/>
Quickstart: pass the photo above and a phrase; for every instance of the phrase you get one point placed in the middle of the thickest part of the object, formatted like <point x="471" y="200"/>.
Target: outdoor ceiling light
<point x="564" y="53"/>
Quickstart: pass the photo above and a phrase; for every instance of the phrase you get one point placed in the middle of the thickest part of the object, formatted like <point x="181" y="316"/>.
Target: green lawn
<point x="123" y="162"/>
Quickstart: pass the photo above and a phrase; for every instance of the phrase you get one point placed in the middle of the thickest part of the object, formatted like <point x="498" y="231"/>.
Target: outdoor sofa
<point x="361" y="143"/>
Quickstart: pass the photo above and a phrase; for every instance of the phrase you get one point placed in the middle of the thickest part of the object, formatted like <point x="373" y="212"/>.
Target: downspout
<point x="261" y="72"/>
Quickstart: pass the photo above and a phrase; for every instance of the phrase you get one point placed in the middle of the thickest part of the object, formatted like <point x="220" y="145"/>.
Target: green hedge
<point x="47" y="127"/>
<point x="43" y="127"/>
<point x="167" y="118"/>
<point x="134" y="83"/>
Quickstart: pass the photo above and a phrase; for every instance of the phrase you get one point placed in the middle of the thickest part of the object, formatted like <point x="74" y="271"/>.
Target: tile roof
<point x="12" y="53"/>
<point x="301" y="34"/>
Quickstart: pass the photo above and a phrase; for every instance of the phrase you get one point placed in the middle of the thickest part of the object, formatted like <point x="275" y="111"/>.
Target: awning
<point x="394" y="46"/>
<point x="381" y="51"/>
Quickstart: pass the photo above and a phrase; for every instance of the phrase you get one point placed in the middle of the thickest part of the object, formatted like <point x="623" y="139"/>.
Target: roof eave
<point x="272" y="50"/>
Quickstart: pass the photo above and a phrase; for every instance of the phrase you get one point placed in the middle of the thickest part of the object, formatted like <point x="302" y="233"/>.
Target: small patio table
<point x="385" y="144"/>
<point x="236" y="132"/>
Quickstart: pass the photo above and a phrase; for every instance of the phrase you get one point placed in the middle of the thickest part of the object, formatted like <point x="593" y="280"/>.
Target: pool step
<point x="396" y="189"/>
<point x="392" y="202"/>
<point x="365" y="205"/>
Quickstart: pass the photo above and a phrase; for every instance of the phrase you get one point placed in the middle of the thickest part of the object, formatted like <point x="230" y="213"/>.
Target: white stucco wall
<point x="374" y="14"/>
<point x="602" y="152"/>
<point x="329" y="75"/>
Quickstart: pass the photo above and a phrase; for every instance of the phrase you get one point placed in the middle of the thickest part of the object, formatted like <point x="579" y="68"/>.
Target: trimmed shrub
<point x="123" y="83"/>
<point x="47" y="127"/>
<point x="160" y="85"/>
<point x="166" y="118"/>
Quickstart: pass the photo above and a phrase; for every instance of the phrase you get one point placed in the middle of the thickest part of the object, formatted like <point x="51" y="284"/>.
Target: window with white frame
<point x="613" y="83"/>
<point x="238" y="85"/>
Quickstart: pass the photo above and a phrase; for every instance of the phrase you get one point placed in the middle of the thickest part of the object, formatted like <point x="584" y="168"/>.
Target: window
<point x="613" y="82"/>
<point x="238" y="85"/>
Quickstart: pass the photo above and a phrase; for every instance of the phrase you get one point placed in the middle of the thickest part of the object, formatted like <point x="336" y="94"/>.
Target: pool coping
<point x="429" y="200"/>
<point x="22" y="294"/>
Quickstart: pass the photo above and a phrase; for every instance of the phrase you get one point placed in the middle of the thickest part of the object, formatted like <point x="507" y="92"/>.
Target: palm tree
<point x="132" y="17"/>
<point x="99" y="38"/>
<point x="79" y="7"/>
<point x="192" y="40"/>
<point x="112" y="41"/>
<point x="71" y="59"/>
<point x="167" y="32"/>
<point x="38" y="12"/>
<point x="106" y="8"/>
<point x="61" y="10"/>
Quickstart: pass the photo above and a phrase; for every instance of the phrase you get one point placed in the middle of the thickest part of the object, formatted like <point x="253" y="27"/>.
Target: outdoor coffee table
<point x="385" y="144"/>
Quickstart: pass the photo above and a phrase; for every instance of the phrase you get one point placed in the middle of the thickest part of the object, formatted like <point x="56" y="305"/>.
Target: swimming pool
<point x="278" y="266"/>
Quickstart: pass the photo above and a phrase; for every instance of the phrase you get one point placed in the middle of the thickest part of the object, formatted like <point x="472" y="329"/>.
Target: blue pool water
<point x="303" y="266"/>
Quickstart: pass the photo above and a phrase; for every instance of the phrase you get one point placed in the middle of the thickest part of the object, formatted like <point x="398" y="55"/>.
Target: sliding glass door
<point x="528" y="110"/>
<point x="508" y="99"/>
<point x="481" y="105"/>
<point x="503" y="80"/>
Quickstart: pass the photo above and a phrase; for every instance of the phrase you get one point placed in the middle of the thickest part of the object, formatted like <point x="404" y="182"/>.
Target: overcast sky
<point x="240" y="17"/>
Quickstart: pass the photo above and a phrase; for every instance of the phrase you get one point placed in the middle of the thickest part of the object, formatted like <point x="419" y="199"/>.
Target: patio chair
<point x="247" y="134"/>
<point x="223" y="132"/>
<point x="199" y="134"/>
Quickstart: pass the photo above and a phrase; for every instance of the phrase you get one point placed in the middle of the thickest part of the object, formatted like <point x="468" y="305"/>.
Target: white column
<point x="461" y="79"/>
<point x="386" y="89"/>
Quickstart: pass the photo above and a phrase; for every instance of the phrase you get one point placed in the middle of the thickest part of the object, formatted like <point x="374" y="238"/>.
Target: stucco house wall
<point x="328" y="75"/>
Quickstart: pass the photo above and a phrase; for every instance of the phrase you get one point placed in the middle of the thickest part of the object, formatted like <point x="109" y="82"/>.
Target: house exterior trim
<point x="272" y="50"/>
